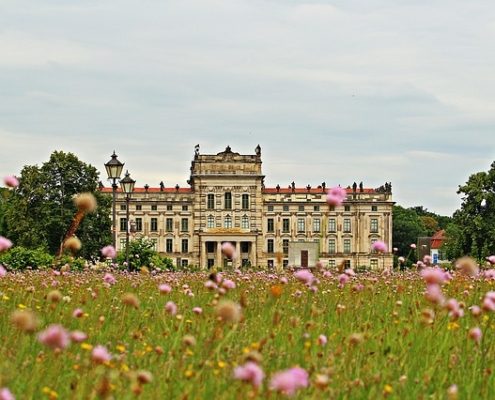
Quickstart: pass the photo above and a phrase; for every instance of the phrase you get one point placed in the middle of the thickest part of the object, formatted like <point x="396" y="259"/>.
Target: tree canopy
<point x="39" y="211"/>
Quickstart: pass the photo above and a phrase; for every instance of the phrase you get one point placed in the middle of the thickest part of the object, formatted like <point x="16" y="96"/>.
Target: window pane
<point x="331" y="246"/>
<point x="270" y="227"/>
<point x="228" y="201"/>
<point x="139" y="224"/>
<point x="211" y="201"/>
<point x="154" y="224"/>
<point x="245" y="201"/>
<point x="211" y="221"/>
<point x="316" y="225"/>
<point x="169" y="224"/>
<point x="286" y="225"/>
<point x="301" y="225"/>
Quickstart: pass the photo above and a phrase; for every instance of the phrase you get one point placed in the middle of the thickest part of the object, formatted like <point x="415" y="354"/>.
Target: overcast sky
<point x="335" y="91"/>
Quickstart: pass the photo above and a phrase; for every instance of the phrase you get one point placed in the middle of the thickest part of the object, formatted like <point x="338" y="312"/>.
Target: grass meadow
<point x="367" y="336"/>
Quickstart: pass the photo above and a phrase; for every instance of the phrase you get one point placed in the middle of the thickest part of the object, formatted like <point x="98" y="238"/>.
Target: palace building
<point x="227" y="201"/>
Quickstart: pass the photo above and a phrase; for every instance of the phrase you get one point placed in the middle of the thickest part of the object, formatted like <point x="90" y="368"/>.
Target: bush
<point x="19" y="258"/>
<point x="142" y="254"/>
<point x="75" y="264"/>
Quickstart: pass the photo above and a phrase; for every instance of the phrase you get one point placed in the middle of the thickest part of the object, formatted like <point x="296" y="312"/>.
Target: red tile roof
<point x="312" y="190"/>
<point x="437" y="239"/>
<point x="151" y="190"/>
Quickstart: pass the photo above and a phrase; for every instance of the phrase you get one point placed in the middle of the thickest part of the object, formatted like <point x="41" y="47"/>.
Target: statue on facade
<point x="293" y="186"/>
<point x="278" y="188"/>
<point x="196" y="151"/>
<point x="361" y="189"/>
<point x="258" y="150"/>
<point x="162" y="186"/>
<point x="354" y="187"/>
<point x="228" y="149"/>
<point x="146" y="187"/>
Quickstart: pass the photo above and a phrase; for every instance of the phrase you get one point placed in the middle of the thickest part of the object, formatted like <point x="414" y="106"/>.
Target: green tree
<point x="40" y="210"/>
<point x="407" y="227"/>
<point x="473" y="229"/>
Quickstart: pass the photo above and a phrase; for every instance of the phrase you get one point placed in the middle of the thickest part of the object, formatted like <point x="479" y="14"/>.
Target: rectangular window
<point x="270" y="264"/>
<point x="227" y="222"/>
<point x="184" y="225"/>
<point x="301" y="208"/>
<point x="154" y="224"/>
<point x="286" y="225"/>
<point x="316" y="208"/>
<point x="154" y="207"/>
<point x="228" y="201"/>
<point x="285" y="246"/>
<point x="347" y="264"/>
<point x="332" y="225"/>
<point x="210" y="222"/>
<point x="123" y="207"/>
<point x="210" y="202"/>
<point x="269" y="245"/>
<point x="169" y="207"/>
<point x="331" y="263"/>
<point x="139" y="207"/>
<point x="185" y="245"/>
<point x="374" y="225"/>
<point x="122" y="244"/>
<point x="270" y="225"/>
<point x="347" y="225"/>
<point x="184" y="263"/>
<point x="169" y="224"/>
<point x="347" y="208"/>
<point x="123" y="224"/>
<point x="169" y="245"/>
<point x="244" y="247"/>
<point x="347" y="246"/>
<point x="374" y="208"/>
<point x="286" y="208"/>
<point x="301" y="225"/>
<point x="245" y="222"/>
<point x="139" y="224"/>
<point x="285" y="263"/>
<point x="374" y="264"/>
<point x="245" y="201"/>
<point x="332" y="249"/>
<point x="331" y="208"/>
<point x="185" y="208"/>
<point x="316" y="225"/>
<point x="270" y="208"/>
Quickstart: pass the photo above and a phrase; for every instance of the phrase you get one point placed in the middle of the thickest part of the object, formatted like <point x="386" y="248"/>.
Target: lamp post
<point x="114" y="170"/>
<point x="127" y="185"/>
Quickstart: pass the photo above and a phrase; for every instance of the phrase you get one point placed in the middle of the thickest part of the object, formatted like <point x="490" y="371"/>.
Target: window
<point x="139" y="207"/>
<point x="210" y="222"/>
<point x="169" y="245"/>
<point x="301" y="226"/>
<point x="332" y="225"/>
<point x="285" y="263"/>
<point x="184" y="263"/>
<point x="270" y="227"/>
<point x="316" y="225"/>
<point x="245" y="201"/>
<point x="228" y="201"/>
<point x="123" y="207"/>
<point x="347" y="225"/>
<point x="245" y="222"/>
<point x="154" y="224"/>
<point x="155" y="244"/>
<point x="347" y="264"/>
<point x="227" y="223"/>
<point x="269" y="245"/>
<point x="301" y="208"/>
<point x="139" y="224"/>
<point x="185" y="245"/>
<point x="286" y="225"/>
<point x="123" y="224"/>
<point x="169" y="207"/>
<point x="317" y="208"/>
<point x="270" y="208"/>
<point x="122" y="244"/>
<point x="154" y="207"/>
<point x="286" y="208"/>
<point x="347" y="208"/>
<point x="285" y="246"/>
<point x="270" y="264"/>
<point x="374" y="208"/>
<point x="347" y="246"/>
<point x="371" y="244"/>
<point x="169" y="224"/>
<point x="374" y="225"/>
<point x="185" y="208"/>
<point x="331" y="263"/>
<point x="210" y="202"/>
<point x="331" y="208"/>
<point x="332" y="249"/>
<point x="184" y="225"/>
<point x="210" y="247"/>
<point x="374" y="264"/>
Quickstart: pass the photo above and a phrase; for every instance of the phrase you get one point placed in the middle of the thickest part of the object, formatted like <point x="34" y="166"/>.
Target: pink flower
<point x="5" y="244"/>
<point x="304" y="276"/>
<point x="250" y="372"/>
<point x="491" y="259"/>
<point x="3" y="271"/>
<point x="336" y="196"/>
<point x="343" y="279"/>
<point x="210" y="285"/>
<point x="395" y="249"/>
<point x="11" y="181"/>
<point x="490" y="274"/>
<point x="77" y="313"/>
<point x="289" y="381"/>
<point x="284" y="280"/>
<point x="164" y="288"/>
<point x="427" y="259"/>
<point x="475" y="334"/>
<point x="55" y="337"/>
<point x="475" y="310"/>
<point x="108" y="252"/>
<point x="455" y="310"/>
<point x="78" y="336"/>
<point x="379" y="246"/>
<point x="228" y="250"/>
<point x="402" y="260"/>
<point x="413" y="245"/>
<point x="433" y="276"/>
<point x="100" y="355"/>
<point x="197" y="310"/>
<point x="6" y="394"/>
<point x="171" y="308"/>
<point x="488" y="304"/>
<point x="228" y="284"/>
<point x="322" y="340"/>
<point x="434" y="294"/>
<point x="109" y="278"/>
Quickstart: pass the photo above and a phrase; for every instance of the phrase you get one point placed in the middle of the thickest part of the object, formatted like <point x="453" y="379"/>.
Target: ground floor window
<point x="270" y="264"/>
<point x="211" y="263"/>
<point x="184" y="263"/>
<point x="285" y="263"/>
<point x="331" y="263"/>
<point x="374" y="263"/>
<point x="347" y="264"/>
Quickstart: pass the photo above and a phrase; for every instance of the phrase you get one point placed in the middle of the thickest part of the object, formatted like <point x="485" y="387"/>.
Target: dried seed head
<point x="25" y="321"/>
<point x="85" y="202"/>
<point x="73" y="244"/>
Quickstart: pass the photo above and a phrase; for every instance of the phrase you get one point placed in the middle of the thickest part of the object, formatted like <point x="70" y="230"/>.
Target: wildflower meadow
<point x="243" y="334"/>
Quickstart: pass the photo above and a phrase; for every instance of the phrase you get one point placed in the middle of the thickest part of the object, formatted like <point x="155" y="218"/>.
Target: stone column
<point x="219" y="263"/>
<point x="203" y="258"/>
<point x="252" y="253"/>
<point x="237" y="261"/>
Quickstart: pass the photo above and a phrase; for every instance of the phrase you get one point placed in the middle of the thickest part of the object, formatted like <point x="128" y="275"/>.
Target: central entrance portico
<point x="211" y="250"/>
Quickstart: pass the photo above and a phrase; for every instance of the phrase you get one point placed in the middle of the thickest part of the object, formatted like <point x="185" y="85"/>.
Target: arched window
<point x="227" y="223"/>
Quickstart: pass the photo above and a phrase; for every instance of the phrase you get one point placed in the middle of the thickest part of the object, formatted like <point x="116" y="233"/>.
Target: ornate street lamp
<point x="127" y="185"/>
<point x="114" y="170"/>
